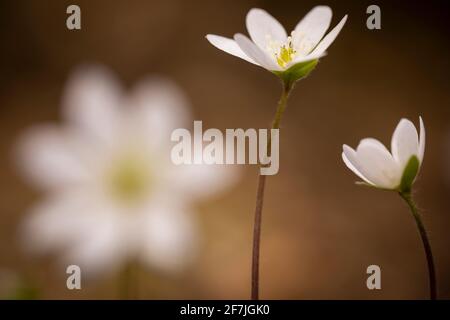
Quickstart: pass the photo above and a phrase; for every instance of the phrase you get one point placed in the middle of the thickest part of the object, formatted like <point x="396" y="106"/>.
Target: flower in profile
<point x="395" y="170"/>
<point x="111" y="190"/>
<point x="270" y="47"/>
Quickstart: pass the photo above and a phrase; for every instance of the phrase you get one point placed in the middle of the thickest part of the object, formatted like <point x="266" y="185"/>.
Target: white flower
<point x="378" y="167"/>
<point x="112" y="192"/>
<point x="271" y="47"/>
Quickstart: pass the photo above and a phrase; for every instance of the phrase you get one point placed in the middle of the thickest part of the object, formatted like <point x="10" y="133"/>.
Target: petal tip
<point x="256" y="10"/>
<point x="343" y="21"/>
<point x="347" y="148"/>
<point x="323" y="7"/>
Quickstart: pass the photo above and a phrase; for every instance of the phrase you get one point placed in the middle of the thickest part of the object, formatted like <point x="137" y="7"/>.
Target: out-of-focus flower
<point x="271" y="48"/>
<point x="374" y="164"/>
<point x="112" y="192"/>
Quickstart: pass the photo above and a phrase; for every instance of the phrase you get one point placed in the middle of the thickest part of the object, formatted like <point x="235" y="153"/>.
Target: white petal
<point x="59" y="221"/>
<point x="351" y="161"/>
<point x="329" y="38"/>
<point x="405" y="142"/>
<point x="421" y="140"/>
<point x="101" y="250"/>
<point x="300" y="59"/>
<point x="229" y="46"/>
<point x="52" y="158"/>
<point x="168" y="237"/>
<point x="373" y="163"/>
<point x="92" y="102"/>
<point x="88" y="230"/>
<point x="313" y="26"/>
<point x="263" y="28"/>
<point x="257" y="54"/>
<point x="377" y="164"/>
<point x="156" y="107"/>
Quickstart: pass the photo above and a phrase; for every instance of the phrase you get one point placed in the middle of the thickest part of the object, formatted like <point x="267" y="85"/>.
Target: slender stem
<point x="257" y="236"/>
<point x="426" y="243"/>
<point x="282" y="103"/>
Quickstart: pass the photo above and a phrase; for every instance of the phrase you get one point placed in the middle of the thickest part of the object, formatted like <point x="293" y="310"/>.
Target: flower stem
<point x="129" y="282"/>
<point x="282" y="103"/>
<point x="426" y="242"/>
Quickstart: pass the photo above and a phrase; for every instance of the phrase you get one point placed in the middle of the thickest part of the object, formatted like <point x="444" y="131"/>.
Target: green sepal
<point x="409" y="175"/>
<point x="297" y="71"/>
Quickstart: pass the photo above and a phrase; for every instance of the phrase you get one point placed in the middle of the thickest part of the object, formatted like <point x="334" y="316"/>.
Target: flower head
<point x="270" y="47"/>
<point x="395" y="170"/>
<point x="111" y="191"/>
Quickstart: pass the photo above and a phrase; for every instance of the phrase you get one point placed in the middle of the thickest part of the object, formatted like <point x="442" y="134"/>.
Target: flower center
<point x="129" y="178"/>
<point x="284" y="53"/>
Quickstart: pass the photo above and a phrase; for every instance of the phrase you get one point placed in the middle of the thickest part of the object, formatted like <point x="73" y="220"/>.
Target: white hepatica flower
<point x="271" y="47"/>
<point x="112" y="192"/>
<point x="378" y="167"/>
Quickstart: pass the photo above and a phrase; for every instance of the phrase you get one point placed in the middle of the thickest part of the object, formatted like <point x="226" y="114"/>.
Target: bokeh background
<point x="320" y="231"/>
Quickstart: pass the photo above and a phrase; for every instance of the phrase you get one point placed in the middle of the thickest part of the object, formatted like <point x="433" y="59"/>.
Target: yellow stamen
<point x="286" y="54"/>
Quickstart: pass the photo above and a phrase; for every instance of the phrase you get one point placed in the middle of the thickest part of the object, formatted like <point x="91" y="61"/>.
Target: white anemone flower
<point x="395" y="170"/>
<point x="111" y="190"/>
<point x="271" y="48"/>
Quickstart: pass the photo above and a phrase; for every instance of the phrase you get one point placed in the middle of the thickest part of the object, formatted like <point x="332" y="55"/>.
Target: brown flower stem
<point x="128" y="282"/>
<point x="282" y="103"/>
<point x="426" y="243"/>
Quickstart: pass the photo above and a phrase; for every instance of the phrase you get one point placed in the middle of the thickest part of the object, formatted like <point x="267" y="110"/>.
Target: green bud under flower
<point x="409" y="175"/>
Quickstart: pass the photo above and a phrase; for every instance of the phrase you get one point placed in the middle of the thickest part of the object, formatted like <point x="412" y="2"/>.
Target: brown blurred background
<point x="320" y="231"/>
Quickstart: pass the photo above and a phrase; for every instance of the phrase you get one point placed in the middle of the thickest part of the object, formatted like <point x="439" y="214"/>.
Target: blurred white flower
<point x="271" y="48"/>
<point x="374" y="164"/>
<point x="112" y="192"/>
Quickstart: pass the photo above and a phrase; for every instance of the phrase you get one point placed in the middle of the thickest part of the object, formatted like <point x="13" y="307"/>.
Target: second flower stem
<point x="282" y="103"/>
<point x="129" y="281"/>
<point x="426" y="243"/>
